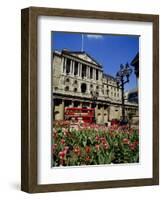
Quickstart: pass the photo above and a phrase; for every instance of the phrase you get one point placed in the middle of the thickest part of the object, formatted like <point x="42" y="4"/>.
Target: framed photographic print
<point x="90" y="100"/>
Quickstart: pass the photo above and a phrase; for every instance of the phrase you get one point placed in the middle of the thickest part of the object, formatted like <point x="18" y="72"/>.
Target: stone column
<point x="61" y="110"/>
<point x="105" y="114"/>
<point x="88" y="70"/>
<point x="81" y="103"/>
<point x="99" y="75"/>
<point x="102" y="114"/>
<point x="73" y="67"/>
<point x="94" y="72"/>
<point x="78" y="69"/>
<point x="64" y="65"/>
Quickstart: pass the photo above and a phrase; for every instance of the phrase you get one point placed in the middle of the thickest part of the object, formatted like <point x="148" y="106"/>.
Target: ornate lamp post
<point x="94" y="99"/>
<point x="122" y="77"/>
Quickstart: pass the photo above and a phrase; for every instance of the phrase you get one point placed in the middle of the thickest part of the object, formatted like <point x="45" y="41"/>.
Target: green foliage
<point x="93" y="146"/>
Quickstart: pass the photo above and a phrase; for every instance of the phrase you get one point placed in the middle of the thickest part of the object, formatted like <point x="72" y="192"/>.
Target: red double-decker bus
<point x="84" y="114"/>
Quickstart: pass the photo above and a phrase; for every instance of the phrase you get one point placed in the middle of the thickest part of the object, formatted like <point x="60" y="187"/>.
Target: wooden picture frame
<point x="29" y="97"/>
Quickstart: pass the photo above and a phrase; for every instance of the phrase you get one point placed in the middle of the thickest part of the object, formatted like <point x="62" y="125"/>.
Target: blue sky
<point x="109" y="50"/>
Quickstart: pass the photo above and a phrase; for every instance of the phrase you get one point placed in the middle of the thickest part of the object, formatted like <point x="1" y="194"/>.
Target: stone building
<point x="132" y="95"/>
<point x="76" y="78"/>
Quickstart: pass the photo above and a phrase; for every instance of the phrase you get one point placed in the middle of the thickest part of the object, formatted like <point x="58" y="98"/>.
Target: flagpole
<point x="82" y="46"/>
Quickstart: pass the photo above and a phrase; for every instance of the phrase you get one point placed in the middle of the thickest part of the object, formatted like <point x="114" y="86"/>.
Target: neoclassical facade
<point x="76" y="79"/>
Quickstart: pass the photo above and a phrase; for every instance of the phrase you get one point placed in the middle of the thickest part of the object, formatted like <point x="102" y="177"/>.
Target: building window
<point x="75" y="89"/>
<point x="105" y="107"/>
<point x="67" y="80"/>
<point x="68" y="66"/>
<point x="67" y="88"/>
<point x="75" y="82"/>
<point x="83" y="88"/>
<point x="67" y="103"/>
<point x="76" y="103"/>
<point x="85" y="105"/>
<point x="76" y="68"/>
<point x="96" y="74"/>
<point x="91" y="72"/>
<point x="99" y="106"/>
<point x="57" y="102"/>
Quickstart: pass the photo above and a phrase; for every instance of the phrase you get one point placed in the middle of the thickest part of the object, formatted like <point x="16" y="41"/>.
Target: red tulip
<point x="62" y="141"/>
<point x="97" y="138"/>
<point x="77" y="150"/>
<point x="132" y="146"/>
<point x="125" y="141"/>
<point x="97" y="146"/>
<point x="61" y="155"/>
<point x="106" y="145"/>
<point x="87" y="158"/>
<point x="87" y="149"/>
<point x="103" y="140"/>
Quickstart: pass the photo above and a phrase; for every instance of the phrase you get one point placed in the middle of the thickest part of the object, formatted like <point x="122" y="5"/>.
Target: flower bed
<point x="93" y="145"/>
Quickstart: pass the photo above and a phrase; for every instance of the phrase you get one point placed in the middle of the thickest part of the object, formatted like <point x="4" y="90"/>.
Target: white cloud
<point x="94" y="36"/>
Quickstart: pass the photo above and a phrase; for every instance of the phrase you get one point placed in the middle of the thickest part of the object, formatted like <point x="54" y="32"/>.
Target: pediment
<point x="86" y="57"/>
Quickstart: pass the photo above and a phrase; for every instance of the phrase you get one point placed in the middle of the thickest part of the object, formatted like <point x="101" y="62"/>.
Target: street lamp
<point x="122" y="77"/>
<point x="94" y="99"/>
